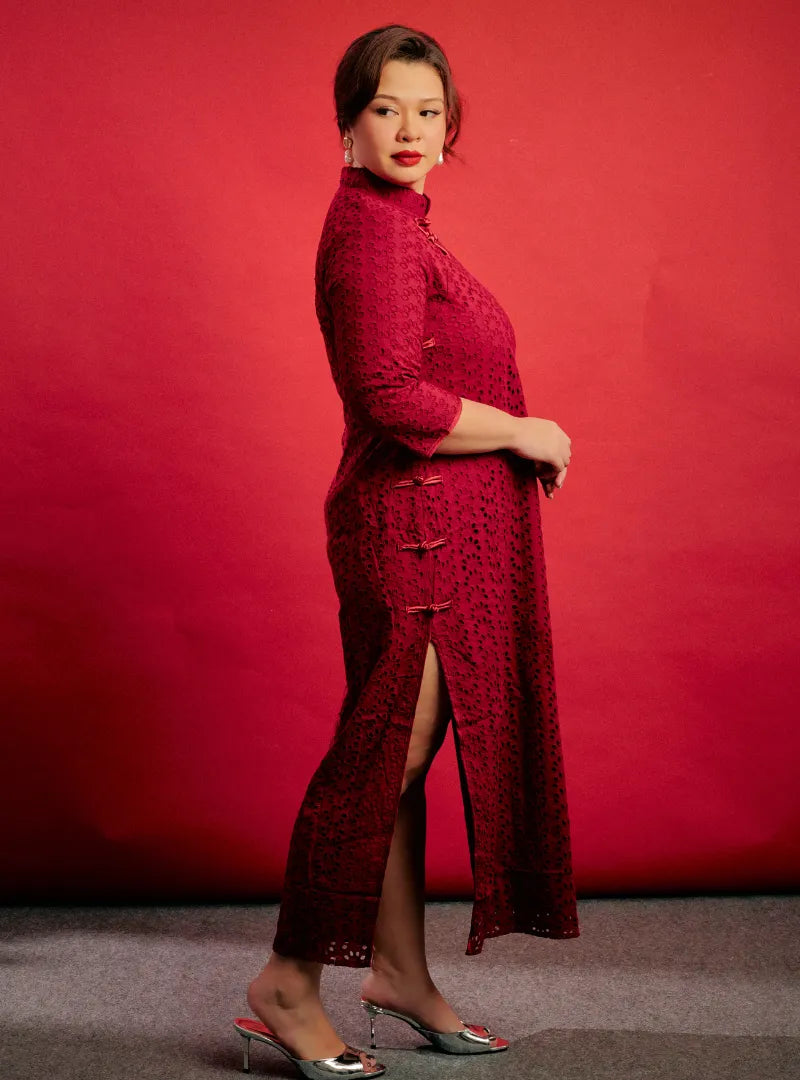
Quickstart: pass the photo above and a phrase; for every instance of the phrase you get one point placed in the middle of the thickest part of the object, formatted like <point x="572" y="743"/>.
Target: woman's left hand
<point x="550" y="480"/>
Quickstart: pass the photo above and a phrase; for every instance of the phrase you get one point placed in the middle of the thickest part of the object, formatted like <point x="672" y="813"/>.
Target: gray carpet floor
<point x="668" y="988"/>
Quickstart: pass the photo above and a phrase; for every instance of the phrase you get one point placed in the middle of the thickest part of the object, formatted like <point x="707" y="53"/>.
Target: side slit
<point x="466" y="797"/>
<point x="399" y="788"/>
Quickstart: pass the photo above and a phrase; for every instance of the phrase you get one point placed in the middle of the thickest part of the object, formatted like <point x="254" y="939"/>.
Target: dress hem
<point x="536" y="904"/>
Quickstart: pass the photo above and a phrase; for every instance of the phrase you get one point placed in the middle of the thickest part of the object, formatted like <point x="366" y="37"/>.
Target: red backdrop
<point x="171" y="661"/>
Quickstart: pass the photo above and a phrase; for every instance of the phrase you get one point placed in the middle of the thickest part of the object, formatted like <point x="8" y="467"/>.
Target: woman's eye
<point x="382" y="110"/>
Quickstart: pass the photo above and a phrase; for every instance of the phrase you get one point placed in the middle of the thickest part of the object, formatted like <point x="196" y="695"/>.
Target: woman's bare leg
<point x="286" y="997"/>
<point x="399" y="976"/>
<point x="286" y="994"/>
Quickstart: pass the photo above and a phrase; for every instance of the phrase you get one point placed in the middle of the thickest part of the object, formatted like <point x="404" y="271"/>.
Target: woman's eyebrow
<point x="391" y="97"/>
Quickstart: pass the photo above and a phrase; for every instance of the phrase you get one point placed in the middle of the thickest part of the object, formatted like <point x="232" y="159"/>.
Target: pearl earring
<point x="348" y="154"/>
<point x="440" y="159"/>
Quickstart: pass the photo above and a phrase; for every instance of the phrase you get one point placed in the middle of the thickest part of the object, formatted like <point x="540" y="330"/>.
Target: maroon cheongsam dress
<point x="427" y="547"/>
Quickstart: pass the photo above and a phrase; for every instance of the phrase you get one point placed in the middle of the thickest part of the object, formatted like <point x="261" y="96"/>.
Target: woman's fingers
<point x="550" y="477"/>
<point x="550" y="482"/>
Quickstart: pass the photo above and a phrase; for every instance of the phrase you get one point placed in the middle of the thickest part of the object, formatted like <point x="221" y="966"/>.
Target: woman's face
<point x="407" y="113"/>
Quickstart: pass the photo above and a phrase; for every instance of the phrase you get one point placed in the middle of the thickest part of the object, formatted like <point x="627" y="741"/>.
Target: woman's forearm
<point x="479" y="429"/>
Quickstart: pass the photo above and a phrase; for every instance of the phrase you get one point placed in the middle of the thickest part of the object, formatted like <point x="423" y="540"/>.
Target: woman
<point x="435" y="544"/>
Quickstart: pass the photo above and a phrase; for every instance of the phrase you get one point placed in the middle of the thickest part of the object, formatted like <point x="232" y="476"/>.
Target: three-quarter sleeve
<point x="376" y="287"/>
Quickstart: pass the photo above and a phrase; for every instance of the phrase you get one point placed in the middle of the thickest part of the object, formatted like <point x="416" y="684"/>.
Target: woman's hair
<point x="359" y="73"/>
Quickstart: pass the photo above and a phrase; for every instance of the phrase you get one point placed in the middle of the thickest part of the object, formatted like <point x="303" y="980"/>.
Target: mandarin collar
<point x="413" y="202"/>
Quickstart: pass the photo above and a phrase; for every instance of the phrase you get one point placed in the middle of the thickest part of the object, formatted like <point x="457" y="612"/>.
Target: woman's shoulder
<point x="363" y="231"/>
<point x="358" y="213"/>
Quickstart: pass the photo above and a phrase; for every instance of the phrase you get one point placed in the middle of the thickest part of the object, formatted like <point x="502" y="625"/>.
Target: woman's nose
<point x="409" y="133"/>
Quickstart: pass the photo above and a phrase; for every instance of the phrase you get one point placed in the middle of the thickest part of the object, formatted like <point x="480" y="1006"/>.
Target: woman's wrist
<point x="513" y="429"/>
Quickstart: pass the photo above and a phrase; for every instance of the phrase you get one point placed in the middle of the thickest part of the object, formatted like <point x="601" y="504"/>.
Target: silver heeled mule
<point x="471" y="1039"/>
<point x="351" y="1061"/>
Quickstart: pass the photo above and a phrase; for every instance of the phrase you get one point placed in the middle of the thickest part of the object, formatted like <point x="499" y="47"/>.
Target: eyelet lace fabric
<point x="427" y="547"/>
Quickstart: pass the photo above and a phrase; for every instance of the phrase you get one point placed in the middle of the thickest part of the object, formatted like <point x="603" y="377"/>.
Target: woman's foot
<point x="416" y="996"/>
<point x="287" y="1001"/>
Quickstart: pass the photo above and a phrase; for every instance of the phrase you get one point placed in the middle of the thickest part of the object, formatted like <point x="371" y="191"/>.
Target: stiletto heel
<point x="372" y="1012"/>
<point x="471" y="1039"/>
<point x="351" y="1061"/>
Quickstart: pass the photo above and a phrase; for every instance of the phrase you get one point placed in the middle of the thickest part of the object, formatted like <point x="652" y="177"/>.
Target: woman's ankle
<point x="288" y="978"/>
<point x="398" y="972"/>
<point x="311" y="969"/>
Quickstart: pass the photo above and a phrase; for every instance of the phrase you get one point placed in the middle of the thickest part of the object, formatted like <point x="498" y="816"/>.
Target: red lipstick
<point x="407" y="157"/>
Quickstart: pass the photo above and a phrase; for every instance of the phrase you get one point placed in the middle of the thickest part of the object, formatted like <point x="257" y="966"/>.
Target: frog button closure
<point x="426" y="545"/>
<point x="419" y="480"/>
<point x="424" y="224"/>
<point x="422" y="545"/>
<point x="429" y="609"/>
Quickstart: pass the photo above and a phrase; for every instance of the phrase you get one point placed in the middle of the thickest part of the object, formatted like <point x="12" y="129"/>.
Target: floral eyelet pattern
<point x="427" y="547"/>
